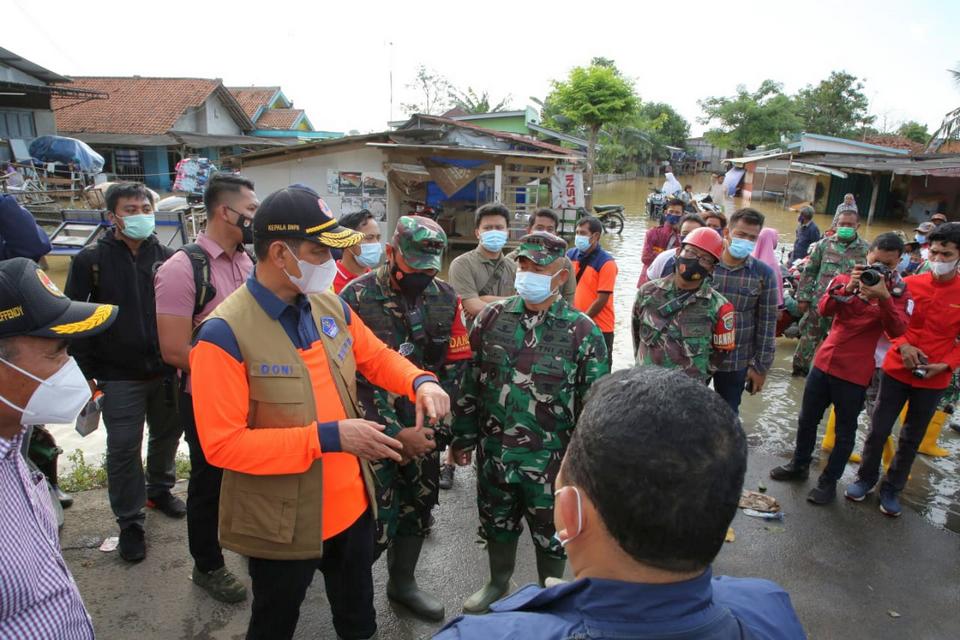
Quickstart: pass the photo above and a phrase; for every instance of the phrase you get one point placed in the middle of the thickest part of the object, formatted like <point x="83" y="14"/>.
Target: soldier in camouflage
<point x="832" y="256"/>
<point x="419" y="316"/>
<point x="534" y="359"/>
<point x="680" y="321"/>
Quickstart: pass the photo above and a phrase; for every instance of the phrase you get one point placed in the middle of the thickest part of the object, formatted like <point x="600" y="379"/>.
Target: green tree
<point x="950" y="127"/>
<point x="592" y="97"/>
<point x="474" y="103"/>
<point x="835" y="107"/>
<point x="914" y="131"/>
<point x="432" y="90"/>
<point x="662" y="120"/>
<point x="749" y="119"/>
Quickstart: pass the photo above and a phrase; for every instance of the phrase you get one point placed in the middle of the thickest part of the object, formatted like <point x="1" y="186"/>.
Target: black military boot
<point x="824" y="493"/>
<point x="790" y="472"/>
<point x="402" y="586"/>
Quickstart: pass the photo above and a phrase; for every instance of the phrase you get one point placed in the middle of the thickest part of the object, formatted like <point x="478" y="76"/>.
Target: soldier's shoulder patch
<point x="727" y="320"/>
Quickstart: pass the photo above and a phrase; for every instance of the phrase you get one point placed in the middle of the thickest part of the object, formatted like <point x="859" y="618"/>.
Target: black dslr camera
<point x="875" y="273"/>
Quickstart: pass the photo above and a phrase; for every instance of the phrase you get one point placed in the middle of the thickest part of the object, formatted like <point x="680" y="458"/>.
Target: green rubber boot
<point x="549" y="567"/>
<point x="503" y="557"/>
<point x="402" y="586"/>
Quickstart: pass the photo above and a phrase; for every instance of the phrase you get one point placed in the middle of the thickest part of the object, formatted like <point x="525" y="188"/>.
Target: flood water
<point x="770" y="417"/>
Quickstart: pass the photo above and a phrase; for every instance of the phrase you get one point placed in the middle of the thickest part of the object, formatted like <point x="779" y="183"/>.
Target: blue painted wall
<point x="154" y="163"/>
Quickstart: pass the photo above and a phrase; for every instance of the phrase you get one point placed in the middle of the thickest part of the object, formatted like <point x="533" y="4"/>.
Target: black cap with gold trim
<point x="299" y="212"/>
<point x="32" y="305"/>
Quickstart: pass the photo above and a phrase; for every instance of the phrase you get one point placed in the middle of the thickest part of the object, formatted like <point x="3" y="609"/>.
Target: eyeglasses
<point x="703" y="260"/>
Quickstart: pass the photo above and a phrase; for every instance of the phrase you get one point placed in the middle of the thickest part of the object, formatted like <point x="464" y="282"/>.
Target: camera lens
<point x="870" y="277"/>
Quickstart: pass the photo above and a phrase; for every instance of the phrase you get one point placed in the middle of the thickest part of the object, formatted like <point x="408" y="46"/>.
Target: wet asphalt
<point x="851" y="572"/>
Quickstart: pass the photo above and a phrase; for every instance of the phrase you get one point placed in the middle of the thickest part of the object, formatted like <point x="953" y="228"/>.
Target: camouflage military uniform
<point x="829" y="258"/>
<point x="951" y="397"/>
<point x="677" y="329"/>
<point x="518" y="405"/>
<point x="426" y="333"/>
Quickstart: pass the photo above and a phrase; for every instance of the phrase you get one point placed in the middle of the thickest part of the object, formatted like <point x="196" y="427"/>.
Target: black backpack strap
<point x="203" y="285"/>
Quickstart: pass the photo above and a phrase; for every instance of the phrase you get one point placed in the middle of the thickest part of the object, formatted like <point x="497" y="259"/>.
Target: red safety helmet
<point x="707" y="239"/>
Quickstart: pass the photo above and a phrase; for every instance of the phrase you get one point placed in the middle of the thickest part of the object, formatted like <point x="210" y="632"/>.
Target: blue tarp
<point x="66" y="150"/>
<point x="435" y="194"/>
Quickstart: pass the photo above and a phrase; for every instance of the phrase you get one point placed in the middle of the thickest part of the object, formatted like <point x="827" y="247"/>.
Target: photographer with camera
<point x="917" y="369"/>
<point x="864" y="304"/>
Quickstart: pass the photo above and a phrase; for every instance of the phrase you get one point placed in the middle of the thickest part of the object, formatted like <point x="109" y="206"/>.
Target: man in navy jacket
<point x="641" y="529"/>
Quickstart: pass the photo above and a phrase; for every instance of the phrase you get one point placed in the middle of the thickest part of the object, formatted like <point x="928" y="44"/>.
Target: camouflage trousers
<point x="406" y="494"/>
<point x="813" y="331"/>
<point x="504" y="506"/>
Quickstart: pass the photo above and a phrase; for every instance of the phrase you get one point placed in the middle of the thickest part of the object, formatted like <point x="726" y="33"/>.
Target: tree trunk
<point x="591" y="159"/>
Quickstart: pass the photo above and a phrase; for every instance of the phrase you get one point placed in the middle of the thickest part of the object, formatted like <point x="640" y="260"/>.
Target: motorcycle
<point x="609" y="215"/>
<point x="656" y="203"/>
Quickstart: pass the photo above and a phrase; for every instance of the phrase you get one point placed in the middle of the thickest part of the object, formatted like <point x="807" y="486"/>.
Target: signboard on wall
<point x="566" y="188"/>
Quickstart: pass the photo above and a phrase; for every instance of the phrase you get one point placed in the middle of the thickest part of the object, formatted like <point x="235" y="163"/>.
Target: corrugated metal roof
<point x="478" y="150"/>
<point x="916" y="166"/>
<point x="11" y="59"/>
<point x="744" y="160"/>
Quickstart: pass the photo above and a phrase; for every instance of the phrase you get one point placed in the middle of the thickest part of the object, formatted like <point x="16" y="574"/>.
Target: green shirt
<point x="521" y="397"/>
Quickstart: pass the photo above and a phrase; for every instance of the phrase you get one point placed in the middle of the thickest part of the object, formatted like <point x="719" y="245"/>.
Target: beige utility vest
<point x="279" y="517"/>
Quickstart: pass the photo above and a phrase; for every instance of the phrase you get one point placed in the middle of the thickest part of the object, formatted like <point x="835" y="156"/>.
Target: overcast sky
<point x="334" y="59"/>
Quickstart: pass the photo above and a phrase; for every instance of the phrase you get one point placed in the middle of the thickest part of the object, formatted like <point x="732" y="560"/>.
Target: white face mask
<point x="58" y="399"/>
<point x="941" y="269"/>
<point x="564" y="542"/>
<point x="314" y="278"/>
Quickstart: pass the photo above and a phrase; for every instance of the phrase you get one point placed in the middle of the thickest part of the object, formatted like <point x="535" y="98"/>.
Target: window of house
<point x="17" y="124"/>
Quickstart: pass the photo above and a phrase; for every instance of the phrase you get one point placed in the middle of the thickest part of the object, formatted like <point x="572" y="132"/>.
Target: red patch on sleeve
<point x="724" y="333"/>
<point x="459" y="348"/>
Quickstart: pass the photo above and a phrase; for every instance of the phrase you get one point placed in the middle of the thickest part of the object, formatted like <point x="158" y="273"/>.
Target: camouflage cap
<point x="541" y="247"/>
<point x="421" y="241"/>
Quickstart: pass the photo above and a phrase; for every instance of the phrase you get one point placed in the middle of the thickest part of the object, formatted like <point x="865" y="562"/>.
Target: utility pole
<point x="391" y="80"/>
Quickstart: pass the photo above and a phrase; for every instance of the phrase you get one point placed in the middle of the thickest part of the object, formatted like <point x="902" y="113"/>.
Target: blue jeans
<point x="729" y="384"/>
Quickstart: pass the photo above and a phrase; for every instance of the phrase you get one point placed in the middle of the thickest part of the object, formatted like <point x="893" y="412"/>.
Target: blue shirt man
<point x="807" y="234"/>
<point x="622" y="514"/>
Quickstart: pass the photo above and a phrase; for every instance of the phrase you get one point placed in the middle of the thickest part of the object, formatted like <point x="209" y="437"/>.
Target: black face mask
<point x="246" y="227"/>
<point x="411" y="284"/>
<point x="691" y="270"/>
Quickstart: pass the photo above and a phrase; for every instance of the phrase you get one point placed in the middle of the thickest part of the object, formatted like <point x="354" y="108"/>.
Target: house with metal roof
<point x="445" y="164"/>
<point x="27" y="91"/>
<point x="274" y="115"/>
<point x="145" y="125"/>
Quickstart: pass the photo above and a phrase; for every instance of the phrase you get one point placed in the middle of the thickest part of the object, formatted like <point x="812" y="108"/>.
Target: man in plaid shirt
<point x="751" y="286"/>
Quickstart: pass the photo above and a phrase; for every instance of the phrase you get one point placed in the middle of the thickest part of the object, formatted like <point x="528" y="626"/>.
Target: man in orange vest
<point x="274" y="373"/>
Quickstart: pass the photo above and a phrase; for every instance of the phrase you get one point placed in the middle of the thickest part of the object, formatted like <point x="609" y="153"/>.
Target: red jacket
<point x="657" y="240"/>
<point x="847" y="352"/>
<point x="934" y="329"/>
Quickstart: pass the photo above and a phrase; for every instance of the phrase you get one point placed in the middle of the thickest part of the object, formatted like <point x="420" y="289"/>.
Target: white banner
<point x="566" y="188"/>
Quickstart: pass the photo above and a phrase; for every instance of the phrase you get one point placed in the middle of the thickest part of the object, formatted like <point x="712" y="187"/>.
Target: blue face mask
<point x="582" y="242"/>
<point x="904" y="262"/>
<point x="919" y="237"/>
<point x="672" y="219"/>
<point x="533" y="287"/>
<point x="138" y="226"/>
<point x="370" y="254"/>
<point x="493" y="240"/>
<point x="740" y="248"/>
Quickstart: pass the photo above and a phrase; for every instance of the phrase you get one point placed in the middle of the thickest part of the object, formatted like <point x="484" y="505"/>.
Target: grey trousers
<point x="126" y="403"/>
